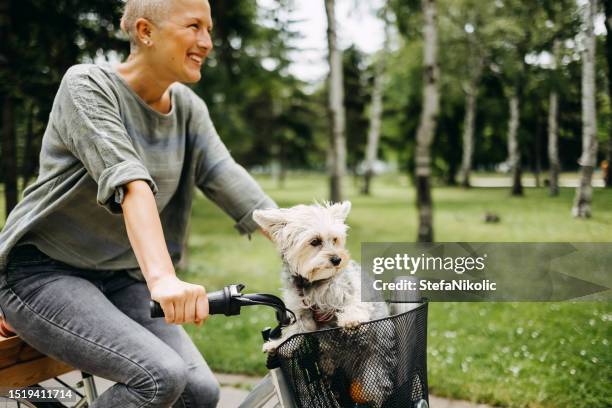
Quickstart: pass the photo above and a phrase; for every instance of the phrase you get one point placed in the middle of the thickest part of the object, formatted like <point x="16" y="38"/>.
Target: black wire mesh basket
<point x="379" y="364"/>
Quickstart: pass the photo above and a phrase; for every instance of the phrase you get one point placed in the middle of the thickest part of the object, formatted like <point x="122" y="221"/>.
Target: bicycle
<point x="296" y="378"/>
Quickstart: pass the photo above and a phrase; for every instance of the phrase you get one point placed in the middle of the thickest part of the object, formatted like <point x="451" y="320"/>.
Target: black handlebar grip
<point x="218" y="303"/>
<point x="156" y="309"/>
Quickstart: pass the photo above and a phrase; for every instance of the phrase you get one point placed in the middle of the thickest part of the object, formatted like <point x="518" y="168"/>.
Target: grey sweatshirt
<point x="102" y="135"/>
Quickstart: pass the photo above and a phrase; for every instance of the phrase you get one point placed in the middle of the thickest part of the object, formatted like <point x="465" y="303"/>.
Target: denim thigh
<point x="202" y="389"/>
<point x="63" y="312"/>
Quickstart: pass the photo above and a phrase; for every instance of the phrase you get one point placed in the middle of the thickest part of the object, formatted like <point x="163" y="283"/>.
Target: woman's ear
<point x="143" y="31"/>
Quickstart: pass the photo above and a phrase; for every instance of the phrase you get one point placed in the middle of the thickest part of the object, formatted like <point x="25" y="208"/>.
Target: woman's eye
<point x="315" y="242"/>
<point x="196" y="26"/>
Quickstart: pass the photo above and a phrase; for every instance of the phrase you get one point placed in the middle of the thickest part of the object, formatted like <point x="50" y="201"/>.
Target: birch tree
<point x="519" y="38"/>
<point x="553" y="127"/>
<point x="608" y="23"/>
<point x="427" y="121"/>
<point x="471" y="93"/>
<point x="337" y="153"/>
<point x="376" y="108"/>
<point x="469" y="39"/>
<point x="514" y="154"/>
<point x="587" y="161"/>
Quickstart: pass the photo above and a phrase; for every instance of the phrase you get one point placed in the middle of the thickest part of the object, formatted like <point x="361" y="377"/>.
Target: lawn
<point x="512" y="354"/>
<point x="515" y="354"/>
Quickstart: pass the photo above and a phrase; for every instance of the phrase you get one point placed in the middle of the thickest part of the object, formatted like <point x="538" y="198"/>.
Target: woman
<point x="97" y="235"/>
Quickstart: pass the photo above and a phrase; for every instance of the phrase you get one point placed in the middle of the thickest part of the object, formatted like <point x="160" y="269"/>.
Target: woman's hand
<point x="5" y="329"/>
<point x="182" y="302"/>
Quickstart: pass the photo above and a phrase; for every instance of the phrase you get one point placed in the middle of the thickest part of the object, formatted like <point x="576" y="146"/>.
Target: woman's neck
<point x="144" y="81"/>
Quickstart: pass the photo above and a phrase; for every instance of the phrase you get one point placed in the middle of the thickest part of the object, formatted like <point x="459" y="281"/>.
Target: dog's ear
<point x="341" y="210"/>
<point x="270" y="220"/>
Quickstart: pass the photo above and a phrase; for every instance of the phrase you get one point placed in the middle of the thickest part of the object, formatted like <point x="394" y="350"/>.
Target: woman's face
<point x="182" y="41"/>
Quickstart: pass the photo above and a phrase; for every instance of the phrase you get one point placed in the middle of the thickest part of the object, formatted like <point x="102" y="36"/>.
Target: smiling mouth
<point x="195" y="58"/>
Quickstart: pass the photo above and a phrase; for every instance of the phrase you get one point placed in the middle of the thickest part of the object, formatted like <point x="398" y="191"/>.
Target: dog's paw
<point x="270" y="346"/>
<point x="348" y="322"/>
<point x="352" y="318"/>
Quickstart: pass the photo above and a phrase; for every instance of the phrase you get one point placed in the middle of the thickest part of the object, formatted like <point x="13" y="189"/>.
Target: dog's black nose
<point x="335" y="260"/>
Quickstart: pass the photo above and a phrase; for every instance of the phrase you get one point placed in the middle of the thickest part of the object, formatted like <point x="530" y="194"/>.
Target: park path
<point x="234" y="389"/>
<point x="529" y="181"/>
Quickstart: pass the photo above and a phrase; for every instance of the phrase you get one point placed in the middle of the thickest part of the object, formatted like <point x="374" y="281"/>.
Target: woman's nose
<point x="205" y="41"/>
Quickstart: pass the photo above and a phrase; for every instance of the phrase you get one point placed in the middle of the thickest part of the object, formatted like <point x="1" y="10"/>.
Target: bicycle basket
<point x="380" y="364"/>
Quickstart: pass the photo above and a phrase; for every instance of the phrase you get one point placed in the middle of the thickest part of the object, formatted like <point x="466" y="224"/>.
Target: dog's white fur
<point x="332" y="288"/>
<point x="310" y="238"/>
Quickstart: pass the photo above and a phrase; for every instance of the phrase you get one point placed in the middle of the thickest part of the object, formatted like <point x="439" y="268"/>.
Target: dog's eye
<point x="315" y="242"/>
<point x="335" y="241"/>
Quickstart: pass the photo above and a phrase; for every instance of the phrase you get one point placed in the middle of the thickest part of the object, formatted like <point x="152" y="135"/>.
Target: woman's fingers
<point x="181" y="301"/>
<point x="168" y="308"/>
<point x="202" y="309"/>
<point x="190" y="308"/>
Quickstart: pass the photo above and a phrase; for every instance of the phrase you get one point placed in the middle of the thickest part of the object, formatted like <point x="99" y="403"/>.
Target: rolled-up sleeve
<point x="221" y="179"/>
<point x="96" y="135"/>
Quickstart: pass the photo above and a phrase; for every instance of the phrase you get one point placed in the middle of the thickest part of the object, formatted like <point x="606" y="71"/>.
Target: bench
<point x="22" y="366"/>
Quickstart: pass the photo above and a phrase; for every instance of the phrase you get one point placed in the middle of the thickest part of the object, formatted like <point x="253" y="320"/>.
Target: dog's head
<point x="310" y="238"/>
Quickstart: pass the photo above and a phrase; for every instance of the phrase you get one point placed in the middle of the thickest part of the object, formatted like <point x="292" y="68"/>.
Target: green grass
<point x="512" y="354"/>
<point x="516" y="355"/>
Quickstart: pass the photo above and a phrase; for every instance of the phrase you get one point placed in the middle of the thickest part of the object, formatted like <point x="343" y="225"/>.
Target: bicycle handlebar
<point x="229" y="300"/>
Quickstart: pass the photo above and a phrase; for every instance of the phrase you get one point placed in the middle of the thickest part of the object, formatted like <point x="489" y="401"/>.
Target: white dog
<point x="323" y="286"/>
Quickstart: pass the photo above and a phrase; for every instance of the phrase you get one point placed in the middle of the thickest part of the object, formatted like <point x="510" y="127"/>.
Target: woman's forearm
<point x="182" y="302"/>
<point x="145" y="232"/>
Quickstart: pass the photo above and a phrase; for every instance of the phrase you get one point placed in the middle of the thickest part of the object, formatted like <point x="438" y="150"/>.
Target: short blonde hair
<point x="152" y="10"/>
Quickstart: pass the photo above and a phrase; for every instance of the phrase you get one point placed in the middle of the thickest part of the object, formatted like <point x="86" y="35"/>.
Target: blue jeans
<point x="99" y="322"/>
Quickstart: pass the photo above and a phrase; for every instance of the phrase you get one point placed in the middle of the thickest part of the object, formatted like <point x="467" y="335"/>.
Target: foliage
<point x="46" y="38"/>
<point x="514" y="40"/>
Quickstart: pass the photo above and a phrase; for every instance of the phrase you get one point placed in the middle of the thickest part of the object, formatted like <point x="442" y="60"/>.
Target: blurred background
<point x="447" y="120"/>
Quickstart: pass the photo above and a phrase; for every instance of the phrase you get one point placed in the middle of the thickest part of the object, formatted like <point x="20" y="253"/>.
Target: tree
<point x="7" y="100"/>
<point x="337" y="152"/>
<point x="516" y="40"/>
<point x="356" y="98"/>
<point x="428" y="120"/>
<point x="514" y="154"/>
<point x="560" y="25"/>
<point x="587" y="161"/>
<point x="553" y="130"/>
<point x="474" y="24"/>
<point x="608" y="23"/>
<point x="34" y="55"/>
<point x="376" y="107"/>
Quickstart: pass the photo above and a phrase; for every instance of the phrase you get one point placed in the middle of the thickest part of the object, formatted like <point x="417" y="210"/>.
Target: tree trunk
<point x="553" y="130"/>
<point x="468" y="132"/>
<point x="608" y="23"/>
<point x="9" y="156"/>
<point x="553" y="150"/>
<point x="427" y="125"/>
<point x="587" y="161"/>
<point x="376" y="111"/>
<point x="537" y="151"/>
<point x="335" y="107"/>
<point x="375" y="124"/>
<point x="514" y="154"/>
